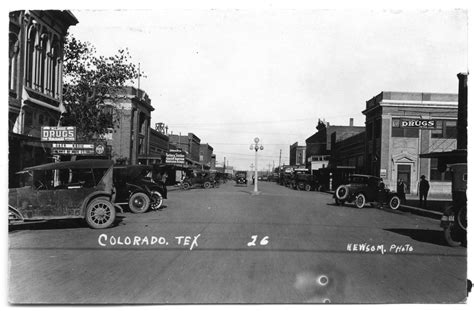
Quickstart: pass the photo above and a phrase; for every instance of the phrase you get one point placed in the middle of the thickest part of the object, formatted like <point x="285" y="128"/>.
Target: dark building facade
<point x="36" y="43"/>
<point x="205" y="155"/>
<point x="188" y="143"/>
<point x="159" y="145"/>
<point x="318" y="146"/>
<point x="130" y="139"/>
<point x="297" y="155"/>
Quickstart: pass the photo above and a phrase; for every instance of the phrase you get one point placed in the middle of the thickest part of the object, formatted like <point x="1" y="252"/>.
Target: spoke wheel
<point x="307" y="187"/>
<point x="156" y="200"/>
<point x="100" y="214"/>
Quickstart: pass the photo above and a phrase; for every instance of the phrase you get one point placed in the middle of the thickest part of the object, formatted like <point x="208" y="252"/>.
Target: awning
<point x="449" y="157"/>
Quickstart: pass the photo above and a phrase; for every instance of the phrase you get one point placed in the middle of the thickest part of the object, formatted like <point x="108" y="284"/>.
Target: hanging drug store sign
<point x="79" y="148"/>
<point x="58" y="133"/>
<point x="175" y="157"/>
<point x="417" y="123"/>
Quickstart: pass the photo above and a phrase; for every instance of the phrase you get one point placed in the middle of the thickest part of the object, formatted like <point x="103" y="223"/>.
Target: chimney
<point x="351" y="122"/>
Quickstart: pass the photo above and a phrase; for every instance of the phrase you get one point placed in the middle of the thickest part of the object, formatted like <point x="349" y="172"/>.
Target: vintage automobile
<point x="136" y="188"/>
<point x="72" y="189"/>
<point x="363" y="189"/>
<point x="241" y="178"/>
<point x="199" y="179"/>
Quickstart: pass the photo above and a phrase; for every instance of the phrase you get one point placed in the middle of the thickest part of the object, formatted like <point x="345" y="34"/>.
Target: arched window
<point x="43" y="63"/>
<point x="13" y="61"/>
<point x="54" y="77"/>
<point x="30" y="56"/>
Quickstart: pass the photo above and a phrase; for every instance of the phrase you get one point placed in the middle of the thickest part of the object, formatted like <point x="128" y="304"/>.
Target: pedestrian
<point x="381" y="193"/>
<point x="401" y="190"/>
<point x="253" y="179"/>
<point x="423" y="188"/>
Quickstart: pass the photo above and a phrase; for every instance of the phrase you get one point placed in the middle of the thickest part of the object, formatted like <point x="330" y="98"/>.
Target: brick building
<point x="297" y="155"/>
<point x="36" y="42"/>
<point x="205" y="155"/>
<point x="398" y="131"/>
<point x="130" y="140"/>
<point x="188" y="143"/>
<point x="318" y="146"/>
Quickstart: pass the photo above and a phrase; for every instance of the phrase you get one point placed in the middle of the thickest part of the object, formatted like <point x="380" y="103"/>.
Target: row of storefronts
<point x="399" y="127"/>
<point x="36" y="46"/>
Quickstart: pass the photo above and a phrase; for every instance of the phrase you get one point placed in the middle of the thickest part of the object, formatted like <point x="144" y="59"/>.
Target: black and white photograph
<point x="236" y="154"/>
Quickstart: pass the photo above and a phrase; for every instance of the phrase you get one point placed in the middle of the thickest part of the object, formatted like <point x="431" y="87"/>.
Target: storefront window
<point x="435" y="174"/>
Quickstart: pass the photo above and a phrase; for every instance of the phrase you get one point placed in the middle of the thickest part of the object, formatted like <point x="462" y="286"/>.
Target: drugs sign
<point x="422" y="124"/>
<point x="58" y="133"/>
<point x="175" y="157"/>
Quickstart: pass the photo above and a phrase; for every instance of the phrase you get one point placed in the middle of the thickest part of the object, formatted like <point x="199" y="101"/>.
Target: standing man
<point x="424" y="187"/>
<point x="401" y="190"/>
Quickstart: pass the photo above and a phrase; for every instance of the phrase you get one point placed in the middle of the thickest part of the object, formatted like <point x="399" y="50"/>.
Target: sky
<point x="229" y="74"/>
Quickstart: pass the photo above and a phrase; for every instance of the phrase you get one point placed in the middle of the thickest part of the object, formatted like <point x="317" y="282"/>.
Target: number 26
<point x="263" y="241"/>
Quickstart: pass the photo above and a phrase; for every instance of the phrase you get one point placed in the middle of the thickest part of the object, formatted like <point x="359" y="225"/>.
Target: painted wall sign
<point x="175" y="157"/>
<point x="58" y="133"/>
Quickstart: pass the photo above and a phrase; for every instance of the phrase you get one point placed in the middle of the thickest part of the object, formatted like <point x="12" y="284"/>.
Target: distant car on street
<point x="199" y="179"/>
<point x="135" y="187"/>
<point x="363" y="189"/>
<point x="241" y="178"/>
<point x="69" y="189"/>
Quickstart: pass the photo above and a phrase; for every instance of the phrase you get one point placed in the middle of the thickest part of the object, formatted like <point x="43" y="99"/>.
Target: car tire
<point x="360" y="200"/>
<point x="100" y="213"/>
<point x="342" y="192"/>
<point x="394" y="202"/>
<point x="185" y="186"/>
<point x="156" y="200"/>
<point x="139" y="203"/>
<point x="207" y="185"/>
<point x="455" y="232"/>
<point x="307" y="187"/>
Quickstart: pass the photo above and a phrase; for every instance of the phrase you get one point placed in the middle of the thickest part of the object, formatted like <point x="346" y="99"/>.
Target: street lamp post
<point x="256" y="147"/>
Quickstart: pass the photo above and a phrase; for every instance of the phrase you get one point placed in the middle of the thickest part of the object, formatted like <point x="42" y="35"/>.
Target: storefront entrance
<point x="404" y="173"/>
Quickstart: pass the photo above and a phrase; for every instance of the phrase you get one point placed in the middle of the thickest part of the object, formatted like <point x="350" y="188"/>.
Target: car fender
<point x="93" y="196"/>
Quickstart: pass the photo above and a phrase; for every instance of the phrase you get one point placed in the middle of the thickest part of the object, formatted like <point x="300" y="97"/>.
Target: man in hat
<point x="424" y="187"/>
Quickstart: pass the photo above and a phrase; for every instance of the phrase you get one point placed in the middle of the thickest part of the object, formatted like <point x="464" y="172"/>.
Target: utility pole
<point x="279" y="169"/>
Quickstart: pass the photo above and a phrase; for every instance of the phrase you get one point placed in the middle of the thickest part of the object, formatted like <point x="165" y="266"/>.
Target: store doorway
<point x="404" y="173"/>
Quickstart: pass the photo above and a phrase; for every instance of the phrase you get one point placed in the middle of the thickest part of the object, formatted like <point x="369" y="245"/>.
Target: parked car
<point x="241" y="178"/>
<point x="136" y="188"/>
<point x="363" y="189"/>
<point x="72" y="189"/>
<point x="199" y="179"/>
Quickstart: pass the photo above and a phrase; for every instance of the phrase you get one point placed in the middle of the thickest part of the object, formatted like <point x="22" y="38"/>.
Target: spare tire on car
<point x="342" y="192"/>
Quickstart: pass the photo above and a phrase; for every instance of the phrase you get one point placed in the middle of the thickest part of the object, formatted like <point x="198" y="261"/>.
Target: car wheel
<point x="307" y="187"/>
<point x="207" y="185"/>
<point x="342" y="192"/>
<point x="360" y="200"/>
<point x="186" y="186"/>
<point x="139" y="203"/>
<point x="455" y="233"/>
<point x="156" y="200"/>
<point x="394" y="202"/>
<point x="100" y="213"/>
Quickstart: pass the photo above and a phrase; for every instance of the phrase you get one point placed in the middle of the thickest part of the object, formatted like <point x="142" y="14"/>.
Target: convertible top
<point x="79" y="164"/>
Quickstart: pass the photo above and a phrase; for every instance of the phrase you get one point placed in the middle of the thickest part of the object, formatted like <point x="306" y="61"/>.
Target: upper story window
<point x="13" y="61"/>
<point x="398" y="131"/>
